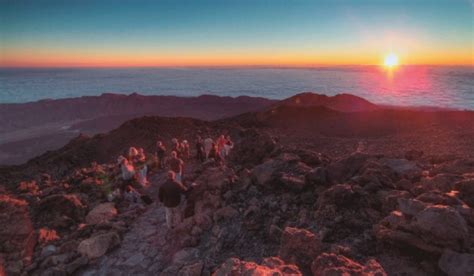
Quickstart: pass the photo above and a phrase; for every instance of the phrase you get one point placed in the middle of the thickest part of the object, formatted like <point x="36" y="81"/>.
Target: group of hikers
<point x="135" y="166"/>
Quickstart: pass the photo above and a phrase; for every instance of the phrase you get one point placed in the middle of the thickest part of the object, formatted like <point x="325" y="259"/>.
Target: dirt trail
<point x="145" y="249"/>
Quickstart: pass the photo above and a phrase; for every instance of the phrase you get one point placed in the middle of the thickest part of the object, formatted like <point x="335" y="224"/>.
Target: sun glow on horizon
<point x="391" y="60"/>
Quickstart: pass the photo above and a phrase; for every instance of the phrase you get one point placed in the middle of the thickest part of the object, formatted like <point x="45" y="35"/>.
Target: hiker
<point x="228" y="145"/>
<point x="208" y="146"/>
<point x="126" y="169"/>
<point x="132" y="154"/>
<point x="170" y="194"/>
<point x="185" y="149"/>
<point x="160" y="154"/>
<point x="141" y="167"/>
<point x="128" y="176"/>
<point x="176" y="165"/>
<point x="200" y="149"/>
<point x="215" y="155"/>
<point x="176" y="146"/>
<point x="221" y="145"/>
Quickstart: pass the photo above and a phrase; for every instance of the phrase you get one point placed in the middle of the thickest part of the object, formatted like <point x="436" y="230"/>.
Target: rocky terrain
<point x="306" y="191"/>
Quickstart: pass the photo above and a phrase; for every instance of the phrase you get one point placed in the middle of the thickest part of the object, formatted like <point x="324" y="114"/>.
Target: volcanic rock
<point x="328" y="264"/>
<point x="269" y="266"/>
<point x="456" y="264"/>
<point x="103" y="212"/>
<point x="466" y="191"/>
<point x="299" y="246"/>
<point x="98" y="245"/>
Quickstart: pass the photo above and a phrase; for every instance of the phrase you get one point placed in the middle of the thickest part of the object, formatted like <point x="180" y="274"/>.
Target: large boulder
<point x="17" y="235"/>
<point x="286" y="171"/>
<point x="269" y="266"/>
<point x="299" y="246"/>
<point x="98" y="245"/>
<point x="330" y="264"/>
<point x="466" y="191"/>
<point x="457" y="166"/>
<point x="443" y="226"/>
<point x="60" y="211"/>
<point x="341" y="195"/>
<point x="411" y="207"/>
<point x="443" y="182"/>
<point x="456" y="264"/>
<point x="402" y="167"/>
<point x="345" y="168"/>
<point x="252" y="148"/>
<point x="103" y="212"/>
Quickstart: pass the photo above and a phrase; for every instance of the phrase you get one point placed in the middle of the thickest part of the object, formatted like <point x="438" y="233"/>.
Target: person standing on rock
<point x="208" y="146"/>
<point x="176" y="165"/>
<point x="228" y="145"/>
<point x="221" y="145"/>
<point x="141" y="167"/>
<point x="176" y="146"/>
<point x="132" y="155"/>
<point x="170" y="194"/>
<point x="200" y="149"/>
<point x="185" y="149"/>
<point x="160" y="154"/>
<point x="215" y="155"/>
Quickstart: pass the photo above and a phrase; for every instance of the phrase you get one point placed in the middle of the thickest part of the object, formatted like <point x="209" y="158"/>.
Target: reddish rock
<point x="330" y="264"/>
<point x="60" y="211"/>
<point x="17" y="235"/>
<point x="98" y="245"/>
<point x="103" y="212"/>
<point x="270" y="266"/>
<point x="299" y="246"/>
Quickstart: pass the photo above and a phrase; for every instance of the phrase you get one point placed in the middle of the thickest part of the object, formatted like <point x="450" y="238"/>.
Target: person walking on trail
<point x="185" y="150"/>
<point x="228" y="145"/>
<point x="176" y="146"/>
<point x="171" y="194"/>
<point x="221" y="145"/>
<point x="215" y="155"/>
<point x="160" y="154"/>
<point x="176" y="165"/>
<point x="200" y="149"/>
<point x="132" y="155"/>
<point x="141" y="167"/>
<point x="208" y="146"/>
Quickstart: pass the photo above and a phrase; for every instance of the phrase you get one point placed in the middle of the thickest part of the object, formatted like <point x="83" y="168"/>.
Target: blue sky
<point x="234" y="32"/>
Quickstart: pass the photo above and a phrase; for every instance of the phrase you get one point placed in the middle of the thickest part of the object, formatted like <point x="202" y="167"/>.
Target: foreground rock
<point x="98" y="245"/>
<point x="269" y="266"/>
<point x="328" y="264"/>
<point x="103" y="212"/>
<point x="456" y="264"/>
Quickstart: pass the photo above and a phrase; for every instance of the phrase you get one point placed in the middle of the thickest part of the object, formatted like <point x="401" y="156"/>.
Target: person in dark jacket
<point x="170" y="194"/>
<point x="200" y="149"/>
<point x="160" y="154"/>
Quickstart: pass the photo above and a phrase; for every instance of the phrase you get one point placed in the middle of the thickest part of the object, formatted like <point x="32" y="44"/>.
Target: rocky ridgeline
<point x="273" y="211"/>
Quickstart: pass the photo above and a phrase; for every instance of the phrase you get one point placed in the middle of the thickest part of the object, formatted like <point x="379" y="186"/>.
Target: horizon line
<point x="261" y="66"/>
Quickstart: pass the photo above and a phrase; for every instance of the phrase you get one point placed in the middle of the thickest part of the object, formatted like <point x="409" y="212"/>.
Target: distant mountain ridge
<point x="340" y="102"/>
<point x="206" y="107"/>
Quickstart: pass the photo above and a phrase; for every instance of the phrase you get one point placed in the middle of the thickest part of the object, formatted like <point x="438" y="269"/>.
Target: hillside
<point x="30" y="129"/>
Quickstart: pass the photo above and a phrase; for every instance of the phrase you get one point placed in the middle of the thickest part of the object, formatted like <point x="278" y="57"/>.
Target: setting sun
<point x="391" y="60"/>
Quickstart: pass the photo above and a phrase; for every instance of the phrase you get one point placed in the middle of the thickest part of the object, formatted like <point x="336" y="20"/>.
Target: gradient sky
<point x="202" y="33"/>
